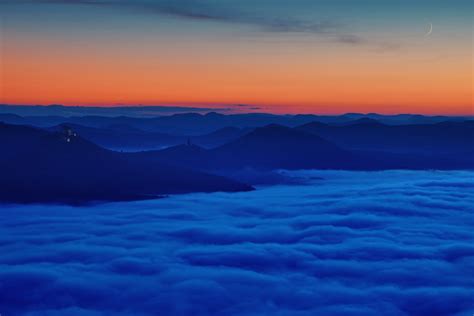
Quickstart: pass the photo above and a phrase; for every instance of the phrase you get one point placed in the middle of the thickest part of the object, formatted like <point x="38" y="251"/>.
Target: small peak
<point x="213" y="114"/>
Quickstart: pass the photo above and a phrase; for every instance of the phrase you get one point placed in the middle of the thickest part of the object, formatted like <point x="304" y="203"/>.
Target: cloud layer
<point x="355" y="243"/>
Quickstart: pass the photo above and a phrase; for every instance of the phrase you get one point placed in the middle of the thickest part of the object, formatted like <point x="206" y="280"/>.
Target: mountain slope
<point x="218" y="137"/>
<point x="269" y="147"/>
<point x="371" y="135"/>
<point x="276" y="146"/>
<point x="62" y="167"/>
<point x="122" y="137"/>
<point x="279" y="147"/>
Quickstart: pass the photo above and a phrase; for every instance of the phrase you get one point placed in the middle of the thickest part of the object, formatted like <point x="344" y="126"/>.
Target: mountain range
<point x="356" y="131"/>
<point x="42" y="166"/>
<point x="279" y="147"/>
<point x="123" y="158"/>
<point x="189" y="124"/>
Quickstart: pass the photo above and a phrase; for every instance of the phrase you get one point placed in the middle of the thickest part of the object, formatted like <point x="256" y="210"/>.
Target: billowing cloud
<point x="394" y="243"/>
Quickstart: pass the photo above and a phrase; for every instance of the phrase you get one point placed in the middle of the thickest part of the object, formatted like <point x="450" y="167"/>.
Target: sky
<point x="283" y="56"/>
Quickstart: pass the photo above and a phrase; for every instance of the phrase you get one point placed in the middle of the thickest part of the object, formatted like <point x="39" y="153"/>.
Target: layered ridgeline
<point x="280" y="147"/>
<point x="124" y="137"/>
<point x="370" y="134"/>
<point x="58" y="164"/>
<point x="42" y="166"/>
<point x="352" y="131"/>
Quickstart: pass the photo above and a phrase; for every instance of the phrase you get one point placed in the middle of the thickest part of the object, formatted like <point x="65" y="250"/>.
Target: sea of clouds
<point x="343" y="243"/>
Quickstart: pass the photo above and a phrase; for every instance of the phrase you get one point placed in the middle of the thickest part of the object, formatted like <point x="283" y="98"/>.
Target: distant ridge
<point x="280" y="147"/>
<point x="189" y="123"/>
<point x="41" y="166"/>
<point x="276" y="146"/>
<point x="369" y="134"/>
<point x="111" y="111"/>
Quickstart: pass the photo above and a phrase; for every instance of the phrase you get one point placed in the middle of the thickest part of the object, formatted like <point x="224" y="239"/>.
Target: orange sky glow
<point x="428" y="75"/>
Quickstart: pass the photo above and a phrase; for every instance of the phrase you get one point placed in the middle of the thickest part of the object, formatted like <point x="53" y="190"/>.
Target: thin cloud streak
<point x="202" y="11"/>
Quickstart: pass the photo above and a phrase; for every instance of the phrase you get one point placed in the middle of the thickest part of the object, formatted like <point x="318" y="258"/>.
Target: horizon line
<point x="230" y="109"/>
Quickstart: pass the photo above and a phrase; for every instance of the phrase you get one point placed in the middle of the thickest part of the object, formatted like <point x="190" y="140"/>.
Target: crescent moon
<point x="430" y="30"/>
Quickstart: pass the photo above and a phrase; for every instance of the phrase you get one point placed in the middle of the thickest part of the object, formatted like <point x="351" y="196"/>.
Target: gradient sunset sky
<point x="282" y="56"/>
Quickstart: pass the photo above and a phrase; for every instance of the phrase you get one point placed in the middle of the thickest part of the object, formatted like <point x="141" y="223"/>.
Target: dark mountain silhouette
<point x="361" y="121"/>
<point x="123" y="127"/>
<point x="40" y="166"/>
<point x="123" y="137"/>
<point x="276" y="146"/>
<point x="13" y="119"/>
<point x="219" y="137"/>
<point x="269" y="147"/>
<point x="369" y="134"/>
<point x="188" y="155"/>
<point x="191" y="124"/>
<point x="280" y="147"/>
